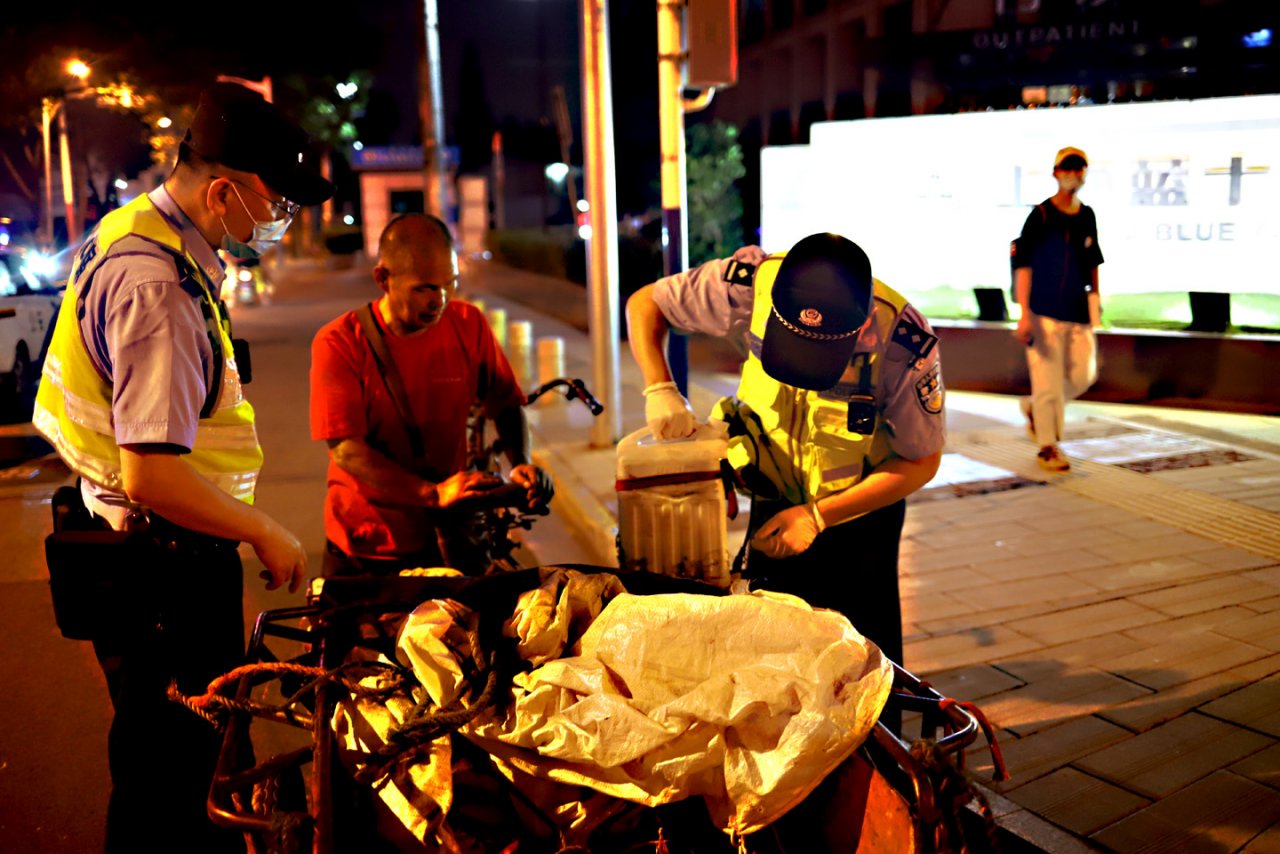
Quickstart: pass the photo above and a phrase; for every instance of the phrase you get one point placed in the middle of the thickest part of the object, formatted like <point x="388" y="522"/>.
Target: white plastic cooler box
<point x="672" y="506"/>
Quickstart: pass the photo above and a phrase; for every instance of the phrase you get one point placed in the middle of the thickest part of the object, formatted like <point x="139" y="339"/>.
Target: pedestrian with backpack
<point x="1055" y="266"/>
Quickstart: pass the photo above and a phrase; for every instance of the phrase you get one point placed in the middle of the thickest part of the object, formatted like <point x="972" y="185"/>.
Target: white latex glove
<point x="668" y="413"/>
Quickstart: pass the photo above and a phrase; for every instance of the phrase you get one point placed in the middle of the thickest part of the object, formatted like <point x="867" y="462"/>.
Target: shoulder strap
<point x="390" y="376"/>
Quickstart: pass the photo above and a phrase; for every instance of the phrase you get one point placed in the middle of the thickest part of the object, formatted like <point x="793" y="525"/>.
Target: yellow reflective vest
<point x="73" y="403"/>
<point x="797" y="445"/>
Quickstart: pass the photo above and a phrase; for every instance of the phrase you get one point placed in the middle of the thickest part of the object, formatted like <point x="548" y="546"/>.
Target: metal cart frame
<point x="304" y="818"/>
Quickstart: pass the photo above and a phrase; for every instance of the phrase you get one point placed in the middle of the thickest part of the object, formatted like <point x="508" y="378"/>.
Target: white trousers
<point x="1062" y="363"/>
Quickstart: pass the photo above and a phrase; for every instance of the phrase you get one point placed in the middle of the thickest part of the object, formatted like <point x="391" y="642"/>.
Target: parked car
<point x="33" y="297"/>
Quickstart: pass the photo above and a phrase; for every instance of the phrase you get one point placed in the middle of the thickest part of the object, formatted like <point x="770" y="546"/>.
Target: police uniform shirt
<point x="146" y="335"/>
<point x="909" y="390"/>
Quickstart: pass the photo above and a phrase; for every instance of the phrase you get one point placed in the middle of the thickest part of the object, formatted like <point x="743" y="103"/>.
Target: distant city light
<point x="4" y="238"/>
<point x="122" y="184"/>
<point x="1258" y="38"/>
<point x="557" y="172"/>
<point x="584" y="205"/>
<point x="358" y="145"/>
<point x="584" y="231"/>
<point x="77" y="68"/>
<point x="164" y="122"/>
<point x="347" y="91"/>
<point x="348" y="219"/>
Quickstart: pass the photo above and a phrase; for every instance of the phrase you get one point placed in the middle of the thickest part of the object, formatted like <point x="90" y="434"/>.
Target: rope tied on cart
<point x="212" y="705"/>
<point x="954" y="791"/>
<point x="426" y="723"/>
<point x="999" y="772"/>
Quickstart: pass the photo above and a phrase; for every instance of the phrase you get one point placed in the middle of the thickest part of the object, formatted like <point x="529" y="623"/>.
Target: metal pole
<point x="433" y="116"/>
<point x="68" y="181"/>
<point x="675" y="221"/>
<point x="602" y="260"/>
<point x="47" y="108"/>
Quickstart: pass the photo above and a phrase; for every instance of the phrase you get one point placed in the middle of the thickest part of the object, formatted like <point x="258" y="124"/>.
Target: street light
<point x="53" y="106"/>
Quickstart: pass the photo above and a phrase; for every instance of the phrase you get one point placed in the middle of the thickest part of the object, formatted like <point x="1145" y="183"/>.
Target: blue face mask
<point x="265" y="235"/>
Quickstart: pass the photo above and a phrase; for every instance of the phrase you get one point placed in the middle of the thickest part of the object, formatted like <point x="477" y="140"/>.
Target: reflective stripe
<point x="226" y="437"/>
<point x="98" y="470"/>
<point x="82" y="411"/>
<point x="841" y="472"/>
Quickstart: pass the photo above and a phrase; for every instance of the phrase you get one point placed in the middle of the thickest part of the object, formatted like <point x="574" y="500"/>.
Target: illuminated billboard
<point x="1186" y="192"/>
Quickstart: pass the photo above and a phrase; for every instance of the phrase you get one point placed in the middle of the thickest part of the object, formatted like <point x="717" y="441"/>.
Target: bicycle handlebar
<point x="576" y="389"/>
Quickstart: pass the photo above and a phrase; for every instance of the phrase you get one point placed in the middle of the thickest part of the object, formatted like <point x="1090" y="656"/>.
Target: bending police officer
<point x="837" y="418"/>
<point x="141" y="396"/>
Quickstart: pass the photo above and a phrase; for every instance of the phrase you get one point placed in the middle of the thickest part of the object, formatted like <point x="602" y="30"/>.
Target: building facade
<point x="806" y="61"/>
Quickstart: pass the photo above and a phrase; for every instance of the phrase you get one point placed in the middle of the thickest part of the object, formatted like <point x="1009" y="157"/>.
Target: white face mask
<point x="265" y="234"/>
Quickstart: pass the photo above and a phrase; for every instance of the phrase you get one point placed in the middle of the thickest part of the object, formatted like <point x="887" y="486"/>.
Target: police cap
<point x="821" y="298"/>
<point x="238" y="128"/>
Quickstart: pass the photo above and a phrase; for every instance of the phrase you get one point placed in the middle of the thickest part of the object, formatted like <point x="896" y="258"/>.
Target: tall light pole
<point x="52" y="106"/>
<point x="602" y="258"/>
<point x="431" y="107"/>
<point x="675" y="217"/>
<point x="47" y="108"/>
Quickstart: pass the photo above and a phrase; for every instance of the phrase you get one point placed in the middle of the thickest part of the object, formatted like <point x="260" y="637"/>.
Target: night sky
<point x="518" y="50"/>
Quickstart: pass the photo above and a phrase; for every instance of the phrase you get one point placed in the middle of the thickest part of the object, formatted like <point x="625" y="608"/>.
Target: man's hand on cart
<point x="790" y="532"/>
<point x="538" y="484"/>
<point x="461" y="487"/>
<point x="282" y="555"/>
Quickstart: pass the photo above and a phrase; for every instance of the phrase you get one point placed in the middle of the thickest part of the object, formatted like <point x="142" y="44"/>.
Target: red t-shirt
<point x="444" y="370"/>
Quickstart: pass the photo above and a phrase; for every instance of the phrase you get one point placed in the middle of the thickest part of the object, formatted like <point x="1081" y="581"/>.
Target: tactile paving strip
<point x="1219" y="519"/>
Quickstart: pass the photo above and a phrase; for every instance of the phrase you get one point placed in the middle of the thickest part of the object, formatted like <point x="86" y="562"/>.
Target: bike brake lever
<point x="579" y="390"/>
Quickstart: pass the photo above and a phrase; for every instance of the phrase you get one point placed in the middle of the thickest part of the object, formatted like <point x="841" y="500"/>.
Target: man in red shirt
<point x="392" y="479"/>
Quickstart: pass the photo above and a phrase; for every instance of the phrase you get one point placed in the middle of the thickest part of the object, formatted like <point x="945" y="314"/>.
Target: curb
<point x="589" y="521"/>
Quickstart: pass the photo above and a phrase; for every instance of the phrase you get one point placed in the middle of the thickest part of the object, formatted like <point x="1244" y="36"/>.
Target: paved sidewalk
<point x="1119" y="625"/>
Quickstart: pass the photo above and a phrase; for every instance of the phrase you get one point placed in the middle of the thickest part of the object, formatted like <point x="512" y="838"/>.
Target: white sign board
<point x="1186" y="192"/>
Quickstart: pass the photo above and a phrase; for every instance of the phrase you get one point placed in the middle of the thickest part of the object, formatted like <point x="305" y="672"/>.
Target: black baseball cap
<point x="822" y="295"/>
<point x="236" y="127"/>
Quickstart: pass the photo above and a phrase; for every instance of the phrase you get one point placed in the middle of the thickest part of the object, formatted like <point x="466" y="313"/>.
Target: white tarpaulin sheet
<point x="747" y="700"/>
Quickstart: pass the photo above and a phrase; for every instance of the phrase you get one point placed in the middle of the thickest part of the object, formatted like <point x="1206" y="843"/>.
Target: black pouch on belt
<point x="103" y="582"/>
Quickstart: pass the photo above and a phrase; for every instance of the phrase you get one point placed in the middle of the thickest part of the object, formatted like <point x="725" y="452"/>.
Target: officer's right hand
<point x="463" y="486"/>
<point x="282" y="555"/>
<point x="667" y="412"/>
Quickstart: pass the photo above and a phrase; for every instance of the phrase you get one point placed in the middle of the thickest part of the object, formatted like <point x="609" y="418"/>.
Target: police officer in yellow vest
<point x="141" y="396"/>
<point x="838" y="415"/>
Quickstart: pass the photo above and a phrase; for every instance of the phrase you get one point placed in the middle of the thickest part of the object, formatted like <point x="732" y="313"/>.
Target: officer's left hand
<point x="788" y="533"/>
<point x="537" y="482"/>
<point x="753" y="255"/>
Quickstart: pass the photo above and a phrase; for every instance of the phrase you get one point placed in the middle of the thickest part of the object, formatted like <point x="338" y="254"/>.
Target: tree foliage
<point x="714" y="162"/>
<point x="328" y="116"/>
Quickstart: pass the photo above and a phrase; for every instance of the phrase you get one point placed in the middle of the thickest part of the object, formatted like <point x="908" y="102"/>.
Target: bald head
<point x="417" y="269"/>
<point x="411" y="239"/>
